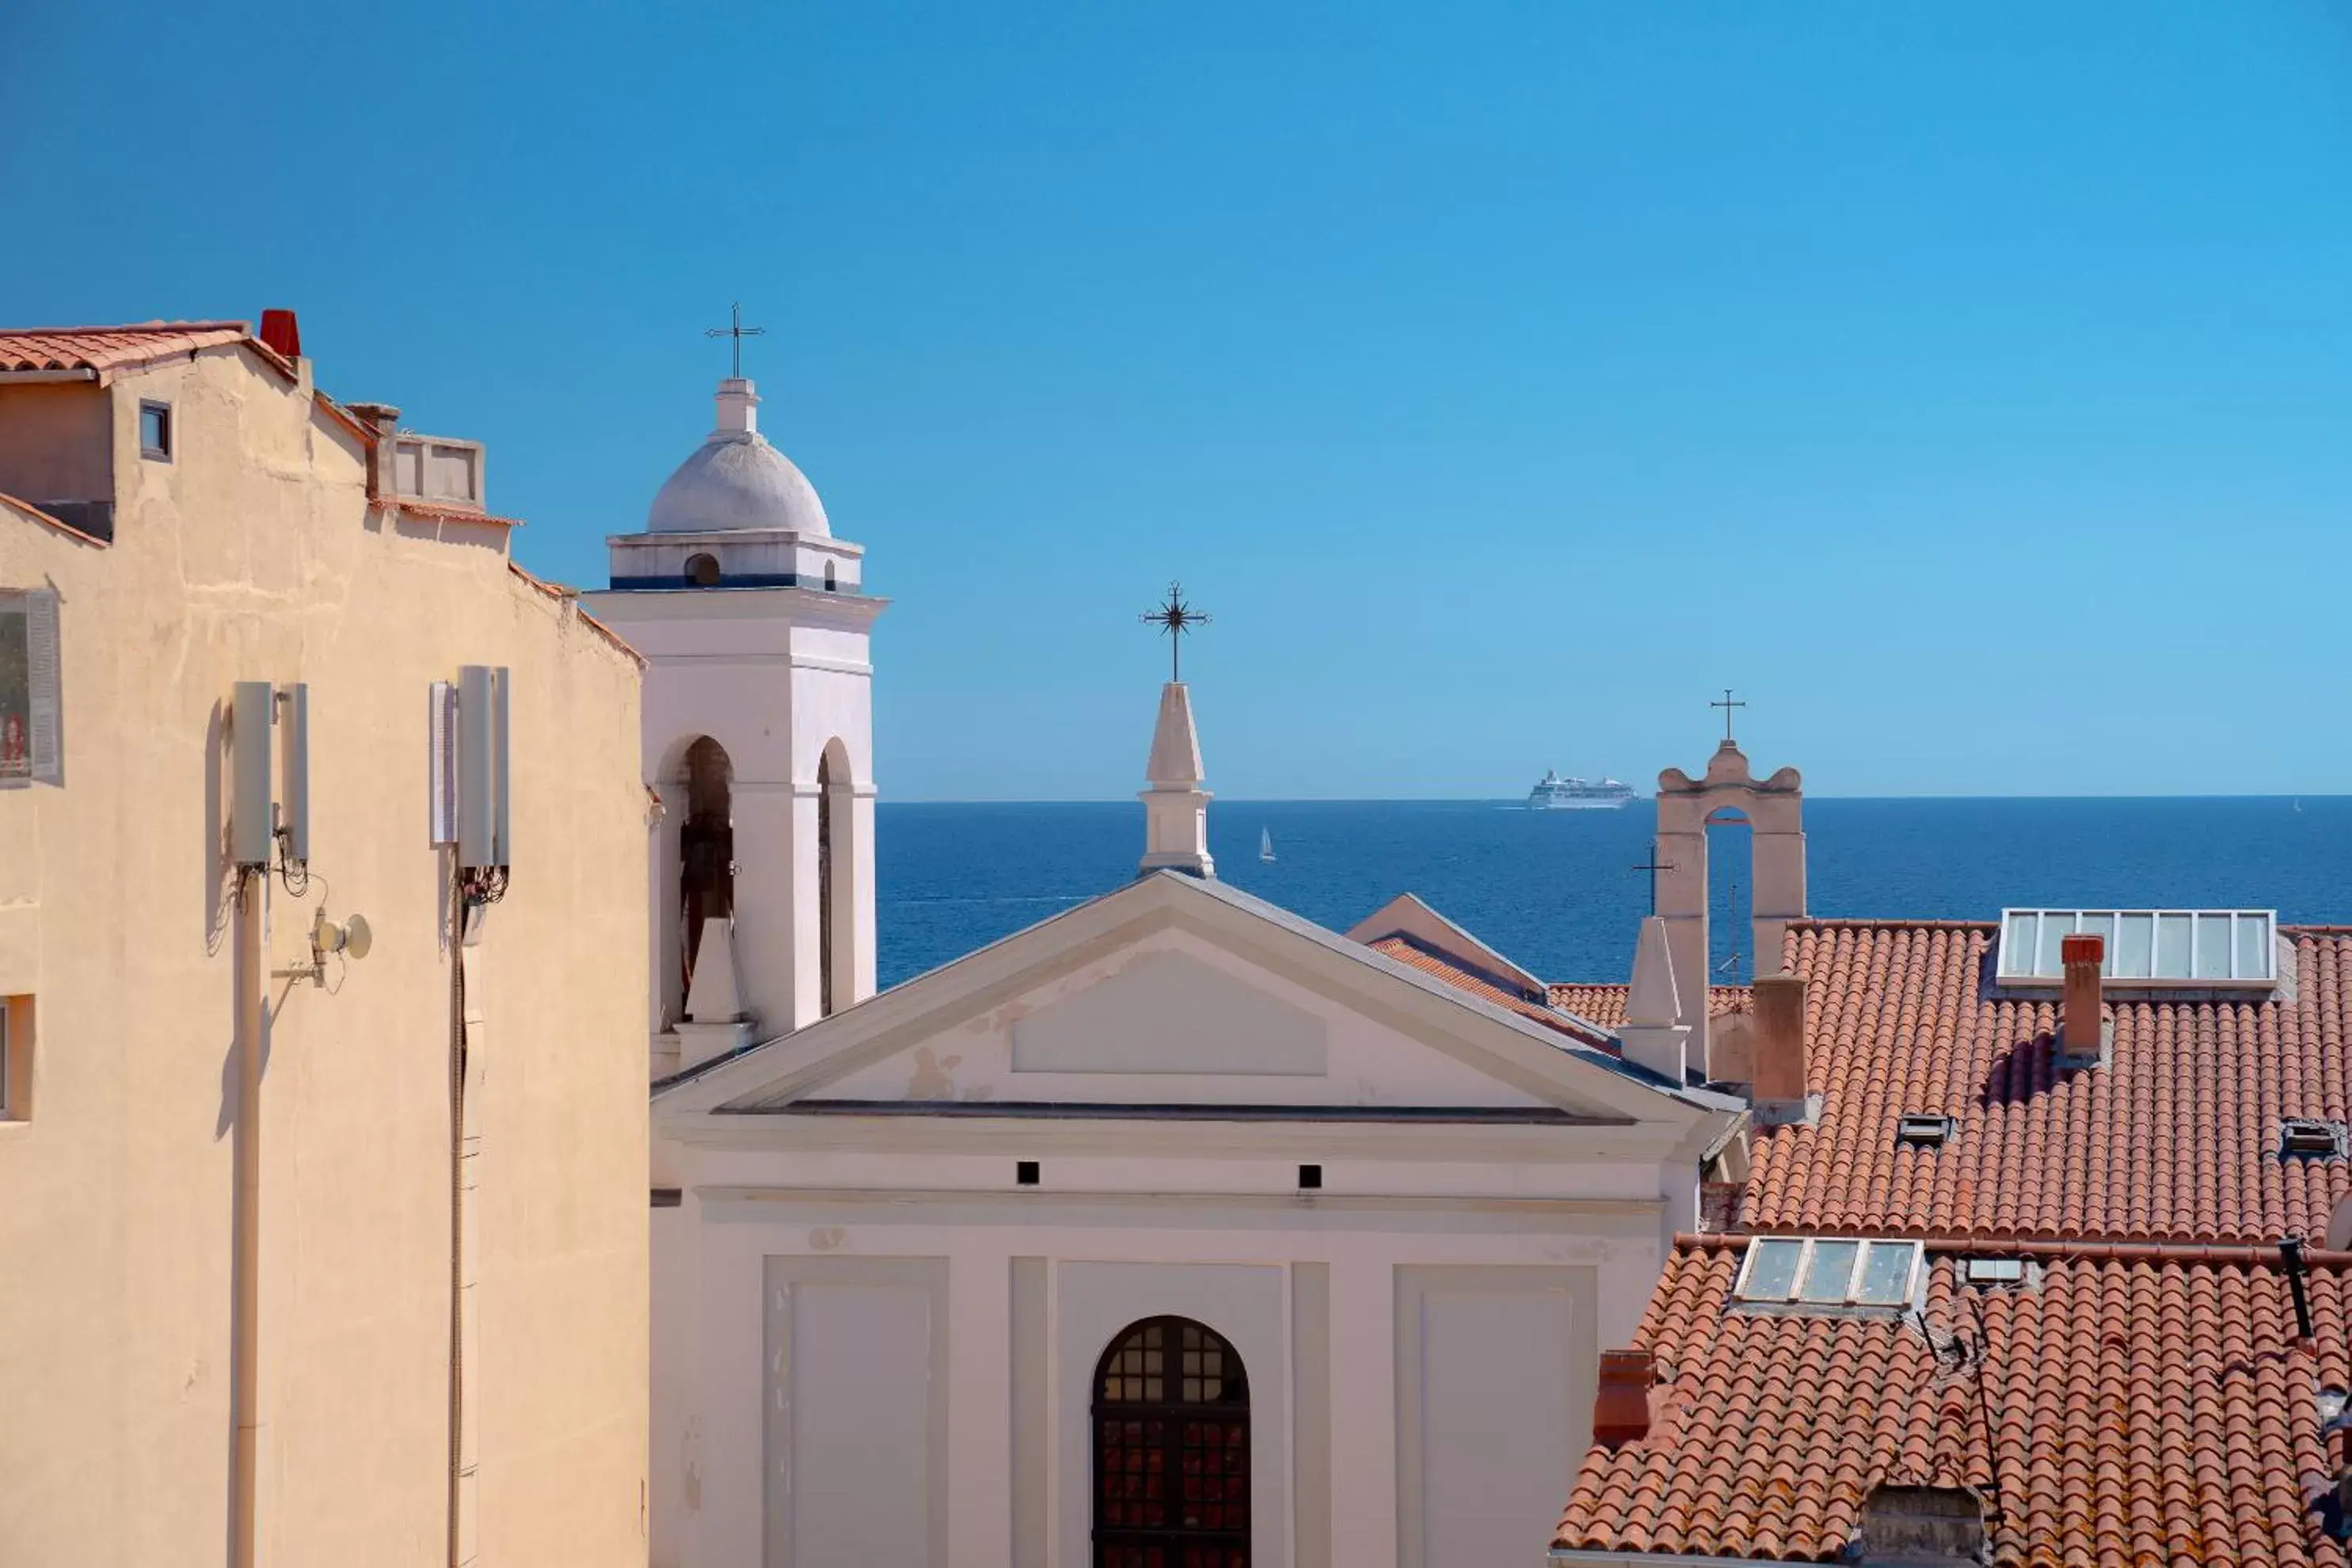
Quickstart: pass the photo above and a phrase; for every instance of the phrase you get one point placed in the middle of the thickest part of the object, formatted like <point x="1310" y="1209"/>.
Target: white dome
<point x="736" y="481"/>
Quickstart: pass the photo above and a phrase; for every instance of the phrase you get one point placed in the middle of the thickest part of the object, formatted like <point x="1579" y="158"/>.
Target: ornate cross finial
<point x="1727" y="705"/>
<point x="738" y="332"/>
<point x="1653" y="865"/>
<point x="1175" y="618"/>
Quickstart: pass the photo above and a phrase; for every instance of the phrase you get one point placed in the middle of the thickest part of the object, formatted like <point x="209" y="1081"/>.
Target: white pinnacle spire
<point x="1650" y="1034"/>
<point x="1175" y="808"/>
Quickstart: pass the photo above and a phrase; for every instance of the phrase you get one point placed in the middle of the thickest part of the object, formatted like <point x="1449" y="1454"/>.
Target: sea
<point x="1557" y="891"/>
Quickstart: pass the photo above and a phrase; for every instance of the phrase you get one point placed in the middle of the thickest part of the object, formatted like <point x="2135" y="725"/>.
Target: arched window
<point x="702" y="571"/>
<point x="706" y="873"/>
<point x="840" y="939"/>
<point x="824" y="885"/>
<point x="1171" y="1449"/>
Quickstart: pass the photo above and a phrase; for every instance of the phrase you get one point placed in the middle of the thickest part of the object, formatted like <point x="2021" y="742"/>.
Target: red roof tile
<point x="1605" y="1004"/>
<point x="2145" y="1400"/>
<point x="435" y="512"/>
<point x="2138" y="1411"/>
<point x="2176" y="1138"/>
<point x="111" y="347"/>
<point x="1477" y="982"/>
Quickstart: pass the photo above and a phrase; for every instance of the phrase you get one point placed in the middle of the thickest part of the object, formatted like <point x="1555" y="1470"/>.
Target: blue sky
<point x="1969" y="386"/>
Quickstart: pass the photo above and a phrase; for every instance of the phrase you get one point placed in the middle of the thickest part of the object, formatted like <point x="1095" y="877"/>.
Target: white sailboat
<point x="1265" y="843"/>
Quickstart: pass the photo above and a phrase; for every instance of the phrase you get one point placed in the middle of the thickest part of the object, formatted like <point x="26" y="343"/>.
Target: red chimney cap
<point x="281" y="335"/>
<point x="1620" y="1405"/>
<point x="2082" y="947"/>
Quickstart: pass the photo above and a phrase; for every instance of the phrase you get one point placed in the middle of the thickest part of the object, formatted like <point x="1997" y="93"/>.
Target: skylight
<point x="1922" y="1130"/>
<point x="2194" y="948"/>
<point x="1827" y="1272"/>
<point x="2311" y="1139"/>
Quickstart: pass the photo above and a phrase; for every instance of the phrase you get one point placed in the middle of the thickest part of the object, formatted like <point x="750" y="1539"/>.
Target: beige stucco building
<point x="419" y="1335"/>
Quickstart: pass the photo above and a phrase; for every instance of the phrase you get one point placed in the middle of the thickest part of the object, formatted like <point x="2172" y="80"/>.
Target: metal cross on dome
<point x="1175" y="618"/>
<point x="1727" y="705"/>
<point x="738" y="332"/>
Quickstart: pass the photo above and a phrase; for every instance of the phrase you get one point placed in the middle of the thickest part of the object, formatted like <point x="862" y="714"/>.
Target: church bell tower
<point x="758" y="742"/>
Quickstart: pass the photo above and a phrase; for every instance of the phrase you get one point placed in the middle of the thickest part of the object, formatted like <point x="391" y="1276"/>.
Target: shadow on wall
<point x="214" y="858"/>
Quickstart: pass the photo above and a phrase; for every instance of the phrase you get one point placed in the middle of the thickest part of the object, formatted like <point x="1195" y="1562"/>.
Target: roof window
<point x="1996" y="1271"/>
<point x="2192" y="949"/>
<point x="1788" y="1273"/>
<point x="1922" y="1130"/>
<point x="2304" y="1137"/>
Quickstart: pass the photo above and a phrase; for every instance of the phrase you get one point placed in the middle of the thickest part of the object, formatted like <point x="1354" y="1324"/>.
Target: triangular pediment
<point x="1179" y="994"/>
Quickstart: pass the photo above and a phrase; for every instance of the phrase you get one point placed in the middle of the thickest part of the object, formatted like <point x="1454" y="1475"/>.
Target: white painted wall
<point x="1495" y="1372"/>
<point x="1230" y="1263"/>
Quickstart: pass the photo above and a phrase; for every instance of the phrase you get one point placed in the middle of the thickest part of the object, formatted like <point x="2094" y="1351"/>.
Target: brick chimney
<point x="1781" y="1091"/>
<point x="1620" y="1410"/>
<point x="382" y="421"/>
<point x="281" y="335"/>
<point x="2082" y="1029"/>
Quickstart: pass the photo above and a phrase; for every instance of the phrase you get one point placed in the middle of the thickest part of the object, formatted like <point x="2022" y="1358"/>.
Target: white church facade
<point x="1174" y="1231"/>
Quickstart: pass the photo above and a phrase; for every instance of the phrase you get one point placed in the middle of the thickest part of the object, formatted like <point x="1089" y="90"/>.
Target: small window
<point x="1828" y="1272"/>
<point x="667" y="1197"/>
<point x="1310" y="1177"/>
<point x="702" y="571"/>
<point x="1996" y="1271"/>
<point x="1024" y="1173"/>
<point x="2304" y="1137"/>
<point x="155" y="430"/>
<point x="828" y="576"/>
<point x="1922" y="1131"/>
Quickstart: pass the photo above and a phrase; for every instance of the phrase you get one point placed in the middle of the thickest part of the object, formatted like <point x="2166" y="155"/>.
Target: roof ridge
<point x="2056" y="1249"/>
<point x="1893" y="922"/>
<point x="224" y="326"/>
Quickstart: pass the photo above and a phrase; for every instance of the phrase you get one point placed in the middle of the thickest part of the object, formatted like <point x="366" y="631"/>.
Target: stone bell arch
<point x="1775" y="812"/>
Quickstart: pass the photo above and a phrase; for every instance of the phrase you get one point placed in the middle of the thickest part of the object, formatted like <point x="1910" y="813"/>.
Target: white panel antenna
<point x="501" y="800"/>
<point x="444" y="782"/>
<point x="250" y="741"/>
<point x="295" y="809"/>
<point x="477" y="767"/>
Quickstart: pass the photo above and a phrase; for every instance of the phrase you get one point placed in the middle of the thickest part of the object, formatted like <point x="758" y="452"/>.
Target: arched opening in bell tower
<point x="836" y="865"/>
<point x="705" y="857"/>
<point x="1730" y="897"/>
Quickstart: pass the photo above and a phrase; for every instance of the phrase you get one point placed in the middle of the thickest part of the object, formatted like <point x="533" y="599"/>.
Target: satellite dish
<point x="351" y="939"/>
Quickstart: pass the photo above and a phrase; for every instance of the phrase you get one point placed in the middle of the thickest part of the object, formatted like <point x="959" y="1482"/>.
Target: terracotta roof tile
<point x="2137" y="1411"/>
<point x="2145" y="1401"/>
<point x="435" y="512"/>
<point x="110" y="348"/>
<point x="1489" y="987"/>
<point x="2176" y="1138"/>
<point x="1605" y="1004"/>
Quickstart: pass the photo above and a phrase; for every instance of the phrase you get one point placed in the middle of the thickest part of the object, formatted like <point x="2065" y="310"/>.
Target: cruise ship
<point x="1554" y="793"/>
